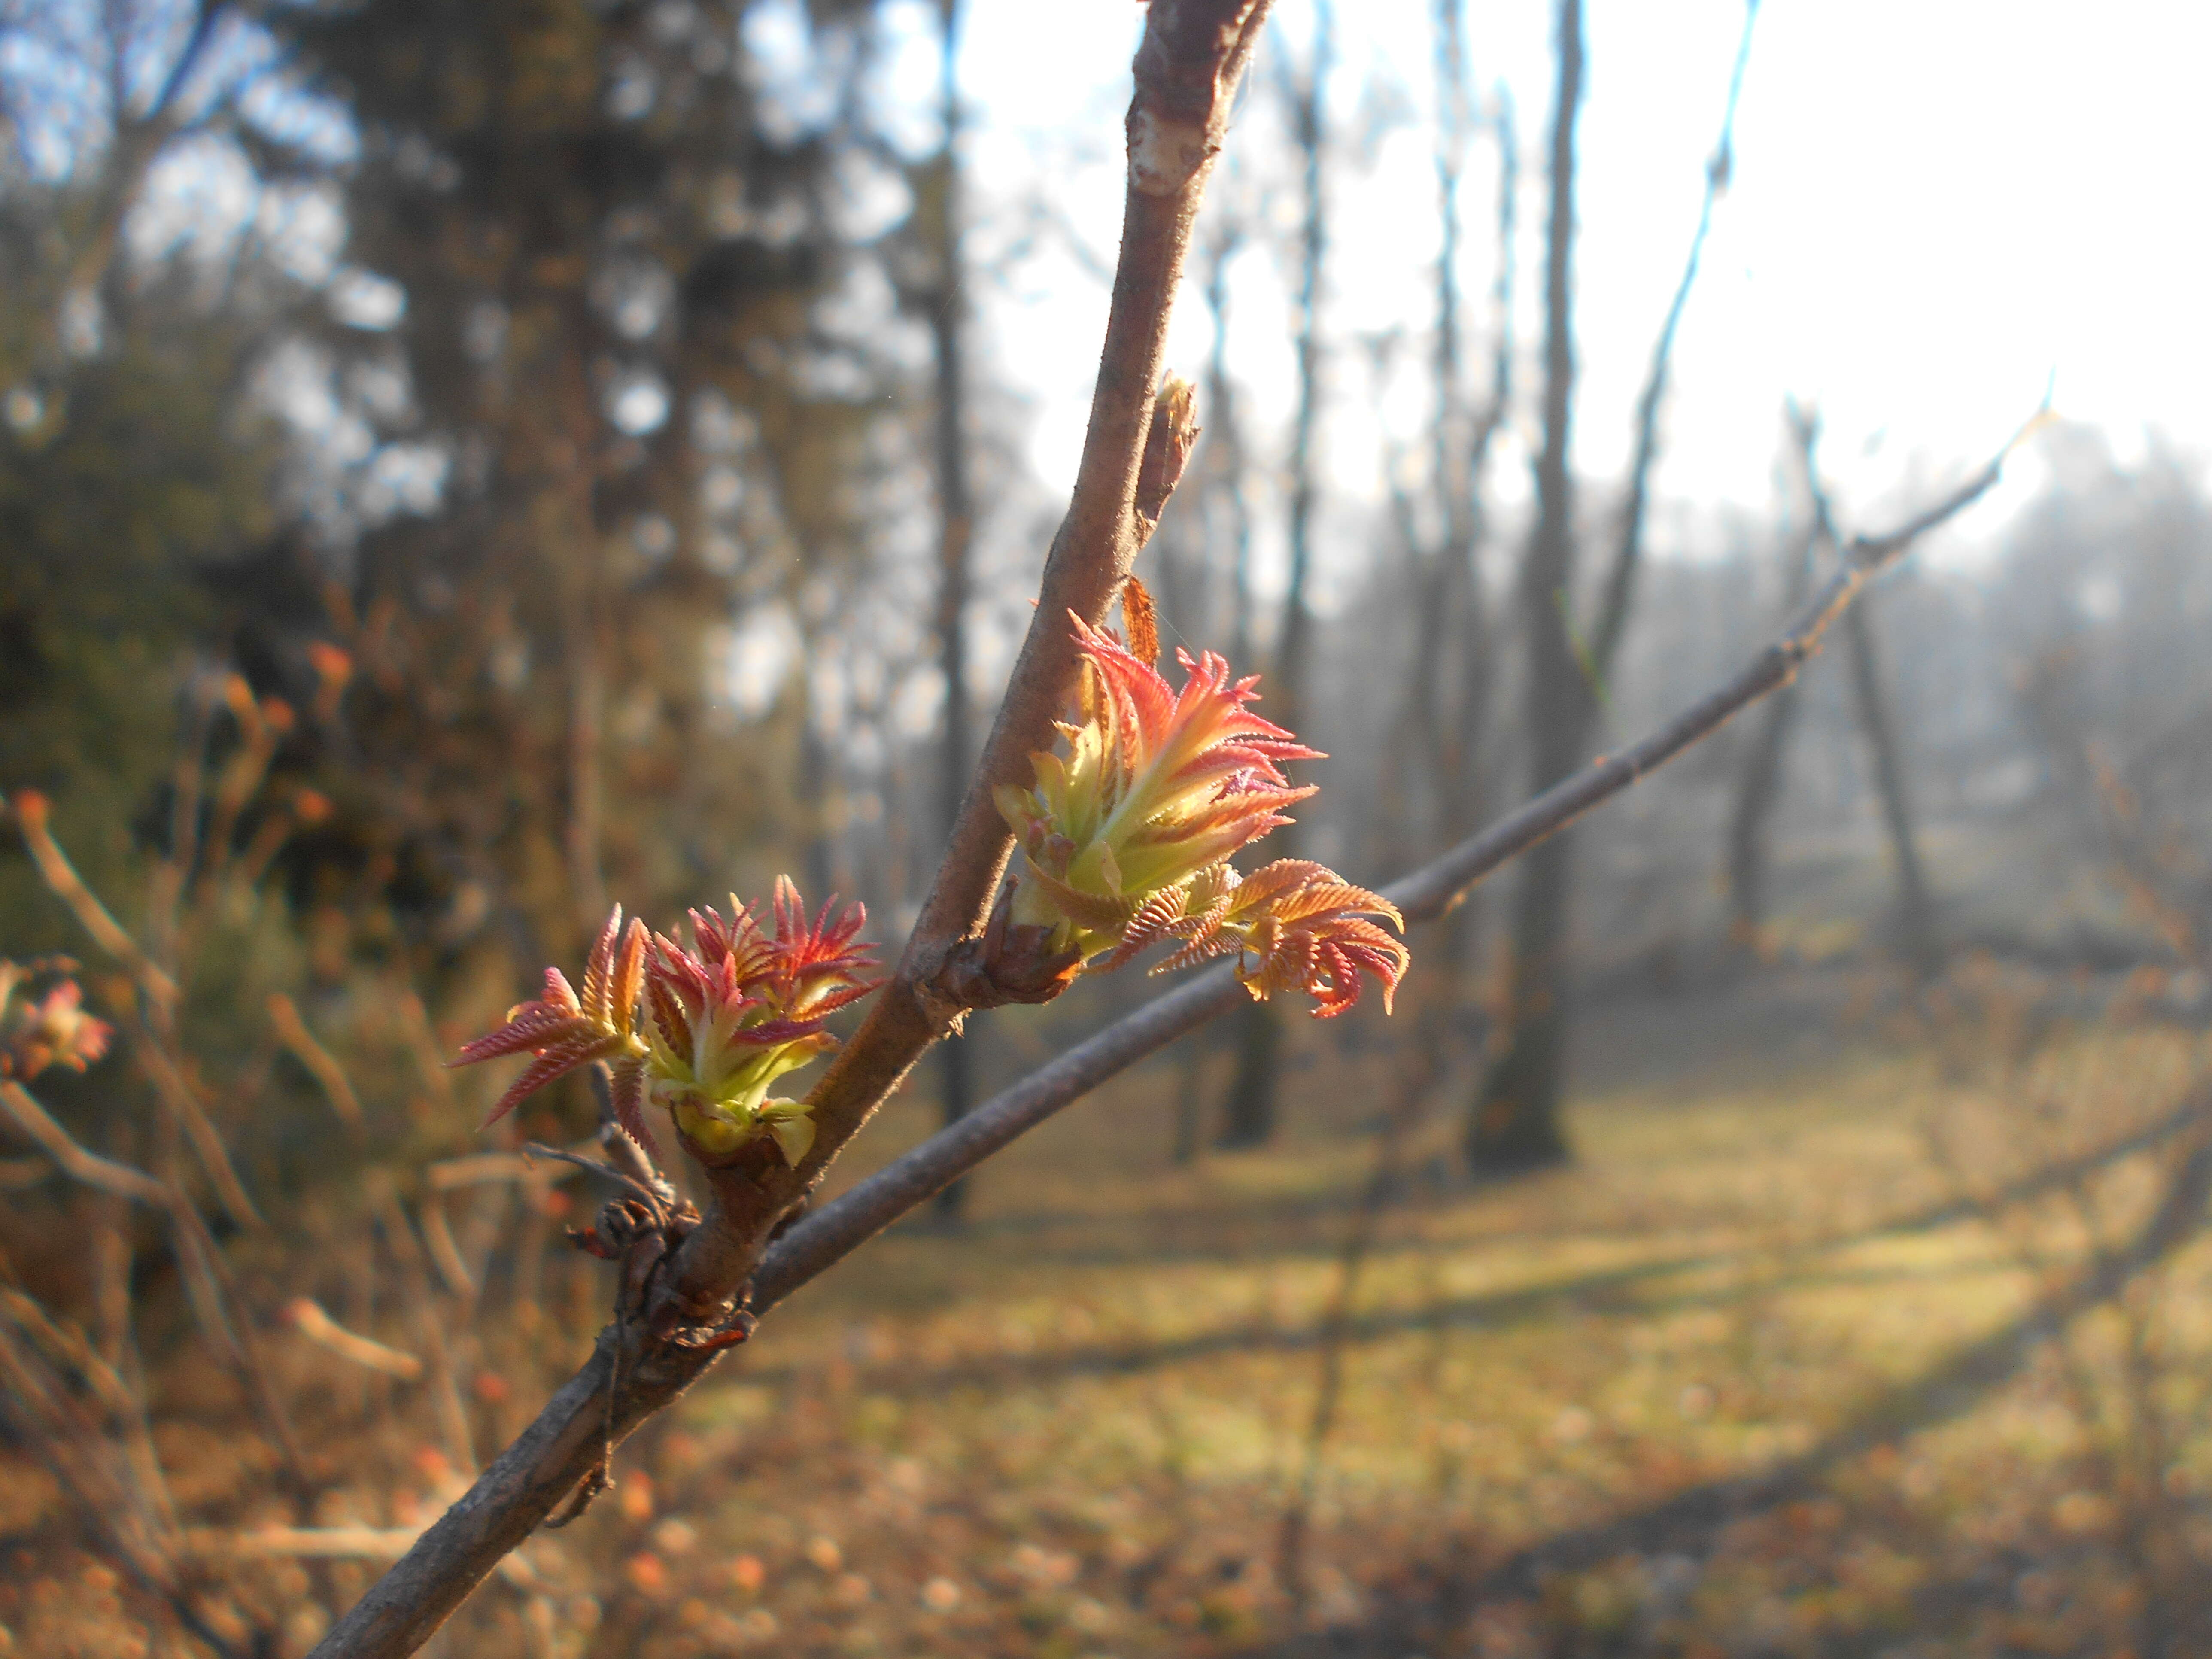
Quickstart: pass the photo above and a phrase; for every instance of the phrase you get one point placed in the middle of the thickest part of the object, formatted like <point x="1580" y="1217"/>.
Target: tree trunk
<point x="1430" y="788"/>
<point x="1462" y="718"/>
<point x="956" y="533"/>
<point x="1759" y="786"/>
<point x="1916" y="928"/>
<point x="1249" y="1114"/>
<point x="1515" y="1122"/>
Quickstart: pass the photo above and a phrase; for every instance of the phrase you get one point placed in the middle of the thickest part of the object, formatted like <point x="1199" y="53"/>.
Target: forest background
<point x="464" y="465"/>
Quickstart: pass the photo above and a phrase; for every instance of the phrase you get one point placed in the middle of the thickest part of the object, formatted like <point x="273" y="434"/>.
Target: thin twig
<point x="478" y="1169"/>
<point x="35" y="1408"/>
<point x="1620" y="580"/>
<point x="429" y="1328"/>
<point x="651" y="1194"/>
<point x="61" y="875"/>
<point x="182" y="1103"/>
<point x="100" y="1379"/>
<point x="445" y="1253"/>
<point x="322" y="1065"/>
<point x="309" y="1319"/>
<point x="37" y="1126"/>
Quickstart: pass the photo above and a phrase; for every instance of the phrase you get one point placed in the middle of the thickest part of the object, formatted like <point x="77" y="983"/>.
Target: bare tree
<point x="1759" y="783"/>
<point x="1249" y="1113"/>
<point x="109" y="43"/>
<point x="1442" y="716"/>
<point x="1514" y="1124"/>
<point x="1917" y="930"/>
<point x="1228" y="507"/>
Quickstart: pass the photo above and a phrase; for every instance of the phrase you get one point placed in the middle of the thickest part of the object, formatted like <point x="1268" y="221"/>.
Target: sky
<point x="1940" y="208"/>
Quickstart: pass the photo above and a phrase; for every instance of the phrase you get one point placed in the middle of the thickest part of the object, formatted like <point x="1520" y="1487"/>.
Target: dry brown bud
<point x="1167" y="447"/>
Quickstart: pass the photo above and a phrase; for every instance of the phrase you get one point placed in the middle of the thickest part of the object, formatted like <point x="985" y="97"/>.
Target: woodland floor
<point x="1750" y="1377"/>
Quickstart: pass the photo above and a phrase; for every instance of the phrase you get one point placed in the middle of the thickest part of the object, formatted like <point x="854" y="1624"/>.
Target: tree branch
<point x="825" y="1237"/>
<point x="29" y="808"/>
<point x="520" y="1489"/>
<point x="1620" y="580"/>
<point x="1192" y="54"/>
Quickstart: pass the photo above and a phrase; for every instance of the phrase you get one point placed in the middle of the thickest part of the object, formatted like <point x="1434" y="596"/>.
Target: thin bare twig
<point x="322" y="1065"/>
<point x="309" y="1319"/>
<point x="476" y="1169"/>
<point x="126" y="1405"/>
<point x="122" y="1181"/>
<point x="182" y="1103"/>
<point x="445" y="1251"/>
<point x="1915" y="906"/>
<point x="35" y="1407"/>
<point x="61" y="875"/>
<point x="429" y="1328"/>
<point x="1620" y="580"/>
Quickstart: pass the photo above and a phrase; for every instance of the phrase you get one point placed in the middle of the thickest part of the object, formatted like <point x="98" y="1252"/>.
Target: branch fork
<point x="1008" y="962"/>
<point x="641" y="1227"/>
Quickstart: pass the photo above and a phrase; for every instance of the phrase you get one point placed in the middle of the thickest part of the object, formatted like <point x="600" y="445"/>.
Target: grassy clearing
<point x="1071" y="1428"/>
